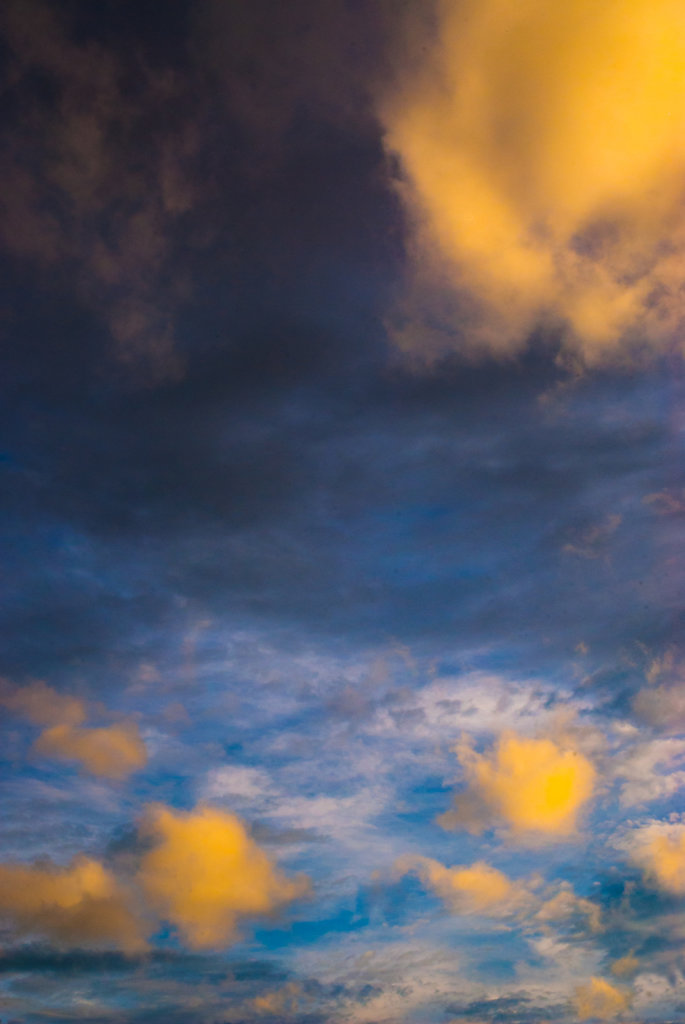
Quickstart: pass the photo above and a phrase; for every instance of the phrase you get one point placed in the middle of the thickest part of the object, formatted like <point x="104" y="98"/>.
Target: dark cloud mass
<point x="300" y="585"/>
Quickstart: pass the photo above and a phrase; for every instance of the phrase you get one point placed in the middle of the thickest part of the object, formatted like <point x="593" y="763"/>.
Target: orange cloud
<point x="600" y="1000"/>
<point x="478" y="889"/>
<point x="82" y="904"/>
<point x="205" y="873"/>
<point x="534" y="786"/>
<point x="542" y="151"/>
<point x="113" y="751"/>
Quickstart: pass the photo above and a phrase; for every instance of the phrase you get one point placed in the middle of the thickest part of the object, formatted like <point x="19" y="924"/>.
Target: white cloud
<point x="650" y="770"/>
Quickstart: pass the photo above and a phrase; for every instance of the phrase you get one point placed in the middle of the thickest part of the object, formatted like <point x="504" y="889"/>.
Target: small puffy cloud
<point x="659" y="849"/>
<point x="79" y="905"/>
<point x="113" y="751"/>
<point x="204" y="873"/>
<point x="477" y="889"/>
<point x="600" y="1000"/>
<point x="625" y="966"/>
<point x="42" y="705"/>
<point x="535" y="787"/>
<point x="542" y="151"/>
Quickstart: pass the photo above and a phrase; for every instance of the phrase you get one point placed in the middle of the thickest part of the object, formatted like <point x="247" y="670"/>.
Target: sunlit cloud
<point x="600" y="1000"/>
<point x="625" y="966"/>
<point x="113" y="751"/>
<point x="659" y="849"/>
<point x="79" y="905"/>
<point x="542" y="153"/>
<point x="475" y="889"/>
<point x="534" y="787"/>
<point x="205" y="873"/>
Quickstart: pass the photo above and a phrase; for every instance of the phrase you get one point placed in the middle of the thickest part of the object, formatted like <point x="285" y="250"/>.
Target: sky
<point x="343" y="405"/>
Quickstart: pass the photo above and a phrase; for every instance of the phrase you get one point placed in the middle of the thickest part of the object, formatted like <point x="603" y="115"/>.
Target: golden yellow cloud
<point x="534" y="786"/>
<point x="82" y="904"/>
<point x="542" y="148"/>
<point x="478" y="889"/>
<point x="113" y="751"/>
<point x="659" y="849"/>
<point x="600" y="1000"/>
<point x="205" y="873"/>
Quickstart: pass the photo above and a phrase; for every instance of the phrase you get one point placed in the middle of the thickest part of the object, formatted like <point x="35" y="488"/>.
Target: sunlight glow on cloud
<point x="113" y="751"/>
<point x="659" y="849"/>
<point x="205" y="873"/>
<point x="533" y="786"/>
<point x="478" y="889"/>
<point x="542" y="148"/>
<point x="600" y="1000"/>
<point x="79" y="905"/>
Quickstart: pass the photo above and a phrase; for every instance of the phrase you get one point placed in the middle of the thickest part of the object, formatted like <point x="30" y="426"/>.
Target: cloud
<point x="82" y="195"/>
<point x="231" y="781"/>
<point x="79" y="905"/>
<point x="205" y="873"/>
<point x="593" y="541"/>
<point x="478" y="889"/>
<point x="565" y="906"/>
<point x="280" y="1001"/>
<point x="662" y="706"/>
<point x="666" y="503"/>
<point x="113" y="751"/>
<point x="659" y="849"/>
<point x="639" y="764"/>
<point x="535" y="787"/>
<point x="625" y="966"/>
<point x="542" y="153"/>
<point x="42" y="705"/>
<point x="600" y="999"/>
